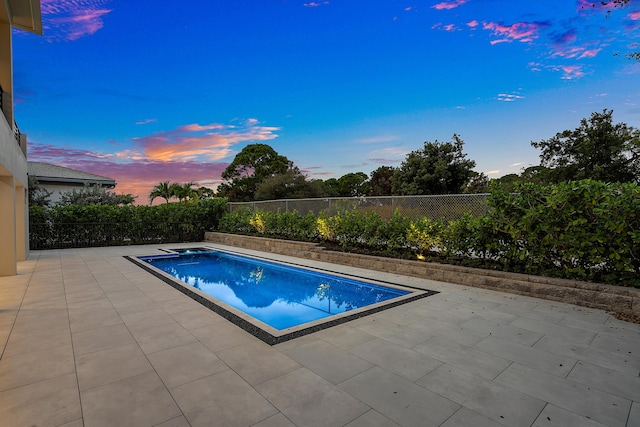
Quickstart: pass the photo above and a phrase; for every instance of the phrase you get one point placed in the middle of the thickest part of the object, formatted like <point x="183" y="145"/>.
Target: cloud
<point x="472" y="24"/>
<point x="146" y="121"/>
<point x="72" y="19"/>
<point x="634" y="16"/>
<point x="493" y="172"/>
<point x="388" y="155"/>
<point x="447" y="27"/>
<point x="524" y="32"/>
<point x="569" y="72"/>
<point x="509" y="97"/>
<point x="316" y="4"/>
<point x="596" y="5"/>
<point x="191" y="152"/>
<point x="448" y="5"/>
<point x="193" y="141"/>
<point x="378" y="139"/>
<point x="134" y="178"/>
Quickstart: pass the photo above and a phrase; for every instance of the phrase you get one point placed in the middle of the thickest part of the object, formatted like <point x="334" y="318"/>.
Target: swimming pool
<point x="282" y="298"/>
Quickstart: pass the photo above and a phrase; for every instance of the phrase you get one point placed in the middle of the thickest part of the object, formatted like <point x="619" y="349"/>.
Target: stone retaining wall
<point x="616" y="299"/>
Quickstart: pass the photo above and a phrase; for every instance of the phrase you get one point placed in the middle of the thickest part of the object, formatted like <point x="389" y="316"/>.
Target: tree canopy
<point x="598" y="149"/>
<point x="251" y="166"/>
<point x="381" y="181"/>
<point x="288" y="185"/>
<point x="94" y="195"/>
<point x="437" y="168"/>
<point x="163" y="190"/>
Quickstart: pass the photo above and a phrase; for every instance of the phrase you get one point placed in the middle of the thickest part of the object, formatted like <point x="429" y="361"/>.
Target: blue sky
<point x="148" y="91"/>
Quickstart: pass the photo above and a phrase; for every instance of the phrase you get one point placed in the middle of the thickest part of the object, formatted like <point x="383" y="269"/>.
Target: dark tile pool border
<point x="264" y="335"/>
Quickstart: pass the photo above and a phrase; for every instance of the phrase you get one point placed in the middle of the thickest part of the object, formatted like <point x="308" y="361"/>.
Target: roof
<point x="46" y="172"/>
<point x="25" y="15"/>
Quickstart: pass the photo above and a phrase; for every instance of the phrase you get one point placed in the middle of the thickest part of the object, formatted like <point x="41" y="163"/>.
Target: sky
<point x="149" y="91"/>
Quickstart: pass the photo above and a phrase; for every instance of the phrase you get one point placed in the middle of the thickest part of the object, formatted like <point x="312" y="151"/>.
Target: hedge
<point x="104" y="225"/>
<point x="585" y="230"/>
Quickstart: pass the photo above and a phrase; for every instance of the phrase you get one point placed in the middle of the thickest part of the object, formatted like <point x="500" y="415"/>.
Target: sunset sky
<point x="147" y="91"/>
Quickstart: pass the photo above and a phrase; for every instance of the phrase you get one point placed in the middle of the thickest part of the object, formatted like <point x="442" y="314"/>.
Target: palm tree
<point x="164" y="189"/>
<point x="185" y="191"/>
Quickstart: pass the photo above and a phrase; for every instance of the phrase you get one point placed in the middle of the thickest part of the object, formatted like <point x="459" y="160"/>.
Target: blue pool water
<point x="281" y="296"/>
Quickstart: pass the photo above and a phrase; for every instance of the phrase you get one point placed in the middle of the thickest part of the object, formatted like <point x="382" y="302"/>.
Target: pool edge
<point x="262" y="334"/>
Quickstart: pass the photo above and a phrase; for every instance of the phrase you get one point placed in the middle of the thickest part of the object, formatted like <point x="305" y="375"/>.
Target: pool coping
<point x="266" y="333"/>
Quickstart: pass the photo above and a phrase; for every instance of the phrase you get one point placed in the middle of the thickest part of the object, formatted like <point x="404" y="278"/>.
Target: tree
<point x="288" y="185"/>
<point x="597" y="149"/>
<point x="38" y="196"/>
<point x="331" y="187"/>
<point x="354" y="184"/>
<point x="479" y="183"/>
<point x="94" y="195"/>
<point x="615" y="4"/>
<point x="184" y="191"/>
<point x="205" y="193"/>
<point x="438" y="168"/>
<point x="251" y="166"/>
<point x="163" y="190"/>
<point x="381" y="181"/>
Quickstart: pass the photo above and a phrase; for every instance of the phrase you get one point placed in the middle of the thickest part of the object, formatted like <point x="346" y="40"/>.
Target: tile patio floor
<point x="88" y="338"/>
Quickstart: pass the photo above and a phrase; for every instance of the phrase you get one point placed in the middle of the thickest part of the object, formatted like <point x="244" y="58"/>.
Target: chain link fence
<point x="446" y="206"/>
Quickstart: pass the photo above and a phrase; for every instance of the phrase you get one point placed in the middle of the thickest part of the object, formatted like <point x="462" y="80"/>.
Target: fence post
<point x="393" y="206"/>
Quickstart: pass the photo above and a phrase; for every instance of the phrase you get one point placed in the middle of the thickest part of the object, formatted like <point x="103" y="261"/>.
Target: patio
<point x="88" y="338"/>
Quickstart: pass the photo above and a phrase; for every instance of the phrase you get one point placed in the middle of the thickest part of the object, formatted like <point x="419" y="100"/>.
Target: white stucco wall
<point x="13" y="210"/>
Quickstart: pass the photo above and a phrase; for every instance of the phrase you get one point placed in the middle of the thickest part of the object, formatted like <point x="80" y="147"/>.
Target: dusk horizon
<point x="143" y="93"/>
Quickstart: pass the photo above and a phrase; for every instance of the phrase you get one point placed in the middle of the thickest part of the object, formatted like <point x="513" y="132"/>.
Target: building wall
<point x="56" y="189"/>
<point x="14" y="244"/>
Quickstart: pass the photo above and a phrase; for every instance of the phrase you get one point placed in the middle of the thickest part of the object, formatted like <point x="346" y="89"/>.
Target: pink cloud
<point x="191" y="152"/>
<point x="572" y="71"/>
<point x="194" y="141"/>
<point x="473" y="24"/>
<point x="634" y="16"/>
<point x="447" y="5"/>
<point x="134" y="178"/>
<point x="524" y="32"/>
<point x="589" y="53"/>
<point x="598" y="5"/>
<point x="72" y="19"/>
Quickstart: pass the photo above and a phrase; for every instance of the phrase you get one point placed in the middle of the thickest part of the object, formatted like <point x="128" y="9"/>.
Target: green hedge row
<point x="584" y="230"/>
<point x="103" y="225"/>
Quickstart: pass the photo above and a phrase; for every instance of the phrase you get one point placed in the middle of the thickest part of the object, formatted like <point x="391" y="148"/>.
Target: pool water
<point x="281" y="296"/>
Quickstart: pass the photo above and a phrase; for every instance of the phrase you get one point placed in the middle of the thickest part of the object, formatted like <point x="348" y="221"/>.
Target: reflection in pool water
<point x="281" y="296"/>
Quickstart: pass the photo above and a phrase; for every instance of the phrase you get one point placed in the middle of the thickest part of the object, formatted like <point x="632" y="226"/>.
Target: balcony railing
<point x="16" y="132"/>
<point x="16" y="129"/>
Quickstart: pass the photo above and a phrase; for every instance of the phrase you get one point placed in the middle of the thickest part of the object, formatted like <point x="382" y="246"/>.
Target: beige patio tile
<point x="222" y="336"/>
<point x="307" y="399"/>
<point x="399" y="399"/>
<point x="223" y="397"/>
<point x="23" y="369"/>
<point x="329" y="361"/>
<point x="187" y="363"/>
<point x="51" y="402"/>
<point x="101" y="339"/>
<point x="22" y="342"/>
<point x="372" y="418"/>
<point x="83" y="319"/>
<point x="141" y="400"/>
<point x="257" y="362"/>
<point x="107" y="366"/>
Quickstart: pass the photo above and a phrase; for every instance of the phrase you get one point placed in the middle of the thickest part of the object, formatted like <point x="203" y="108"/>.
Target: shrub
<point x="106" y="225"/>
